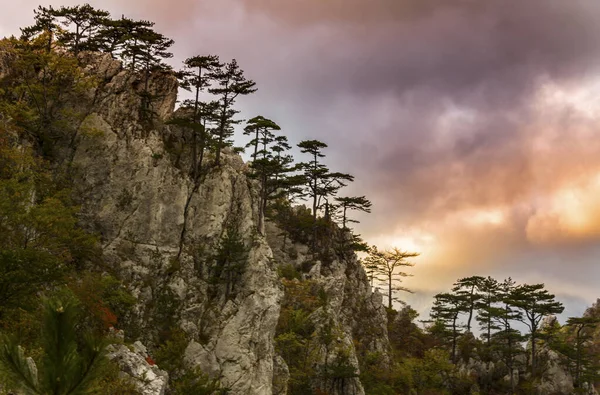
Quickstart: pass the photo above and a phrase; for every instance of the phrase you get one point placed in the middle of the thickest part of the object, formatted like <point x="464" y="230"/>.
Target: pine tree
<point x="357" y="203"/>
<point x="116" y="36"/>
<point x="76" y="28"/>
<point x="282" y="181"/>
<point x="194" y="78"/>
<point x="319" y="182"/>
<point x="314" y="171"/>
<point x="466" y="288"/>
<point x="230" y="84"/>
<point x="488" y="311"/>
<point x="508" y="339"/>
<point x="261" y="128"/>
<point x="82" y="24"/>
<point x="70" y="364"/>
<point x="130" y="44"/>
<point x="230" y="260"/>
<point x="581" y="358"/>
<point x="45" y="25"/>
<point x="536" y="303"/>
<point x="386" y="264"/>
<point x="446" y="310"/>
<point x="149" y="49"/>
<point x="271" y="168"/>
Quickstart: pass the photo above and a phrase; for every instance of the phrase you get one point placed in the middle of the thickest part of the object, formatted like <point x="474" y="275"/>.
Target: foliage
<point x="445" y="313"/>
<point x="196" y="113"/>
<point x="40" y="240"/>
<point x="42" y="246"/>
<point x="536" y="303"/>
<point x="229" y="261"/>
<point x="104" y="298"/>
<point x="33" y="95"/>
<point x="169" y="355"/>
<point x="319" y="183"/>
<point x="70" y="363"/>
<point x="230" y="83"/>
<point x="289" y="272"/>
<point x="357" y="203"/>
<point x="295" y="332"/>
<point x="197" y="383"/>
<point x="384" y="265"/>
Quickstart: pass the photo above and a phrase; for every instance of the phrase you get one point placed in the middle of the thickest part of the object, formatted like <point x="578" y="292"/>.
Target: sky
<point x="471" y="125"/>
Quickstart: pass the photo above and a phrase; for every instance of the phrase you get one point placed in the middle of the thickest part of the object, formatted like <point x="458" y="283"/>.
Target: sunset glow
<point x="478" y="144"/>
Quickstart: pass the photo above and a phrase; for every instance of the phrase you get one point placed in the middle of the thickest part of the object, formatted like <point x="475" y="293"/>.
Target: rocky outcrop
<point x="159" y="228"/>
<point x="353" y="316"/>
<point x="139" y="368"/>
<point x="555" y="378"/>
<point x="161" y="233"/>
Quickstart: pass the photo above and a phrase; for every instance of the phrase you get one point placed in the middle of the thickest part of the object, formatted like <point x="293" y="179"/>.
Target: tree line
<point x="497" y="306"/>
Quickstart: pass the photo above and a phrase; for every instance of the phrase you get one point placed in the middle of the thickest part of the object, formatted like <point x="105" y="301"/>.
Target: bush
<point x="169" y="355"/>
<point x="105" y="300"/>
<point x="197" y="383"/>
<point x="289" y="272"/>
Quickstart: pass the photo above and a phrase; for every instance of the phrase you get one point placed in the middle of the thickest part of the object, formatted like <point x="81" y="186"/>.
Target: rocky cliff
<point x="159" y="229"/>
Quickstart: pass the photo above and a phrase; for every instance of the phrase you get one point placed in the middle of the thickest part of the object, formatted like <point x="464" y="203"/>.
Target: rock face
<point x="161" y="233"/>
<point x="147" y="377"/>
<point x="158" y="227"/>
<point x="555" y="379"/>
<point x="352" y="312"/>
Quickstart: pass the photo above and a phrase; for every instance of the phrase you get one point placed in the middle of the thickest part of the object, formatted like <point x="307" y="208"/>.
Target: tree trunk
<point x="390" y="291"/>
<point x="577" y="383"/>
<point x="222" y="127"/>
<point x="195" y="133"/>
<point x="454" y="336"/>
<point x="533" y="356"/>
<point x="202" y="146"/>
<point x="510" y="365"/>
<point x="489" y="323"/>
<point x="314" y="238"/>
<point x="76" y="49"/>
<point x="255" y="146"/>
<point x="470" y="310"/>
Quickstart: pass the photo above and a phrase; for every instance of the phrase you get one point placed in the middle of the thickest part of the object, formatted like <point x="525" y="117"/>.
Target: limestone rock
<point x="555" y="379"/>
<point x="147" y="377"/>
<point x="157" y="228"/>
<point x="281" y="376"/>
<point x="353" y="311"/>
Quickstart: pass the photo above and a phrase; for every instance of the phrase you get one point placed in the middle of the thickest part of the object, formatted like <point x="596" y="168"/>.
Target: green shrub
<point x="169" y="356"/>
<point x="289" y="272"/>
<point x="197" y="383"/>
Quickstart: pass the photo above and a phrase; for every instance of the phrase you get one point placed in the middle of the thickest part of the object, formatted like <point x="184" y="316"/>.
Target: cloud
<point x="470" y="124"/>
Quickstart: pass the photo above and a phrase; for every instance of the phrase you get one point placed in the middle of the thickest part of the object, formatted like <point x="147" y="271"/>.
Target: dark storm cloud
<point x="492" y="47"/>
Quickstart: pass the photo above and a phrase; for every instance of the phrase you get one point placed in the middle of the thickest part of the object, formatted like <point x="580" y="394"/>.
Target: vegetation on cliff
<point x="52" y="266"/>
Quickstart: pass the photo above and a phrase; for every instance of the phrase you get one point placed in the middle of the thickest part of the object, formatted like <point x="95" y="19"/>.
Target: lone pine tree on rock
<point x="230" y="83"/>
<point x="386" y="266"/>
<point x="194" y="78"/>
